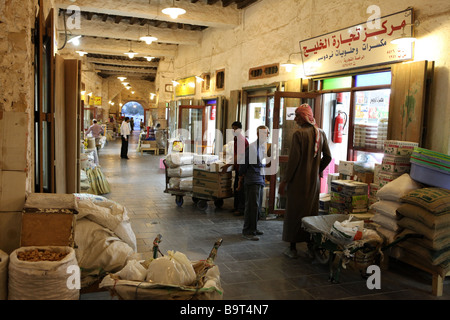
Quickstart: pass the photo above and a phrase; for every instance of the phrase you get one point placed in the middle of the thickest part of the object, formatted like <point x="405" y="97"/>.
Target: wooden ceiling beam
<point x="198" y="13"/>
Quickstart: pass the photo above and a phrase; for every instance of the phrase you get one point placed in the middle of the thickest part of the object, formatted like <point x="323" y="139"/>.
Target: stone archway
<point x="134" y="110"/>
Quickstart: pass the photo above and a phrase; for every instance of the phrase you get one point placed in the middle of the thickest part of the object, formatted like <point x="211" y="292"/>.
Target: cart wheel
<point x="179" y="200"/>
<point x="195" y="200"/>
<point x="218" y="203"/>
<point x="202" y="205"/>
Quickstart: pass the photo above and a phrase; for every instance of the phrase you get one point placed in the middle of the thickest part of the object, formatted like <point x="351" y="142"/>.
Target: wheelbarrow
<point x="325" y="246"/>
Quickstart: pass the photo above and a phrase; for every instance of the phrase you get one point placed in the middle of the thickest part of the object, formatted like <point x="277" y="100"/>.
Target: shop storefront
<point x="359" y="104"/>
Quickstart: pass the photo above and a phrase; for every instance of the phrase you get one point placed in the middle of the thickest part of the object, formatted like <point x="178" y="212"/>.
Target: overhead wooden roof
<point x="109" y="28"/>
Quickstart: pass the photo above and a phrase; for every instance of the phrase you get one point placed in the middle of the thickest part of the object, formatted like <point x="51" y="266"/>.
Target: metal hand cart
<point x="325" y="246"/>
<point x="179" y="194"/>
<point x="201" y="200"/>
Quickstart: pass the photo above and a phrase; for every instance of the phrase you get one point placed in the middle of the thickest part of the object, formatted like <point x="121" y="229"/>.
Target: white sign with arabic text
<point x="358" y="46"/>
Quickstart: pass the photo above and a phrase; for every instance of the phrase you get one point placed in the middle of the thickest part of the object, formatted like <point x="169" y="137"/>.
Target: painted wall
<point x="271" y="30"/>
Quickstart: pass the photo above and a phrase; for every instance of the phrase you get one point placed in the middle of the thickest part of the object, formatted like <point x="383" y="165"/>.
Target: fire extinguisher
<point x="339" y="126"/>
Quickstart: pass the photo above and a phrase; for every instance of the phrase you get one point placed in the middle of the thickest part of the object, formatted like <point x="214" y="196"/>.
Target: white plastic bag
<point x="172" y="269"/>
<point x="347" y="229"/>
<point x="133" y="271"/>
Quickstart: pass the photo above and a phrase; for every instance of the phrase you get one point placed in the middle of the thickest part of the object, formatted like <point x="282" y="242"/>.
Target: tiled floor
<point x="250" y="270"/>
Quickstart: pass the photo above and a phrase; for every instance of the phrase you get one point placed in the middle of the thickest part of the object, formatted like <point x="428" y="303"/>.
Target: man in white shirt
<point x="125" y="131"/>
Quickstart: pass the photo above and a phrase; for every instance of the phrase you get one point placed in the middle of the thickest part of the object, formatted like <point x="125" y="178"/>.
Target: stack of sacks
<point x="426" y="212"/>
<point x="180" y="171"/>
<point x="389" y="201"/>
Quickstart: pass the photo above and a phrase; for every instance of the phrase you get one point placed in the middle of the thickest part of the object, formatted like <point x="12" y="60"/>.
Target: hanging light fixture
<point x="148" y="38"/>
<point x="149" y="58"/>
<point x="199" y="79"/>
<point x="289" y="65"/>
<point x="404" y="39"/>
<point x="122" y="78"/>
<point x="173" y="11"/>
<point x="131" y="53"/>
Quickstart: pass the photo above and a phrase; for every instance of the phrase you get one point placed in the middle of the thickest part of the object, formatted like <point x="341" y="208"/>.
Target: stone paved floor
<point x="250" y="270"/>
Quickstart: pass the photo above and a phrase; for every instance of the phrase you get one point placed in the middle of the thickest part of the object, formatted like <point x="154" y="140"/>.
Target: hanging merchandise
<point x="339" y="126"/>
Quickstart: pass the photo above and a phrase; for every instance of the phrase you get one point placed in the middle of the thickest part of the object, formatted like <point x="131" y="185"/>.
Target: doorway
<point x="284" y="126"/>
<point x="135" y="111"/>
<point x="192" y="125"/>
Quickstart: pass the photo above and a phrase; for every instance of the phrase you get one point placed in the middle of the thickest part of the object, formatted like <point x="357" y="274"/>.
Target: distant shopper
<point x="242" y="142"/>
<point x="97" y="132"/>
<point x="125" y="131"/>
<point x="252" y="179"/>
<point x="301" y="181"/>
<point x="131" y="124"/>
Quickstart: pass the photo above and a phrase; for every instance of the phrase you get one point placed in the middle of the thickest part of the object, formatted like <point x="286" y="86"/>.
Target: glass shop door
<point x="284" y="126"/>
<point x="192" y="127"/>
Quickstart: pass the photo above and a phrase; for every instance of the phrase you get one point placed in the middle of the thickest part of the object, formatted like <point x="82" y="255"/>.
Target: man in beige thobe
<point x="309" y="156"/>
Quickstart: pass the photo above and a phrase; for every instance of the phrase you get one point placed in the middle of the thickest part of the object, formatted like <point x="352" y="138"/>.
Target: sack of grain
<point x="43" y="273"/>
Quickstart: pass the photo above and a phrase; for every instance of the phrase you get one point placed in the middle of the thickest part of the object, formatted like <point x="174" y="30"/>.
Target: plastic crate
<point x="430" y="176"/>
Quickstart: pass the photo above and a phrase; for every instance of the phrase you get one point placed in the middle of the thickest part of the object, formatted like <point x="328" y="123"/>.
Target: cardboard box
<point x="217" y="167"/>
<point x="201" y="192"/>
<point x="13" y="141"/>
<point x="399" y="148"/>
<point x="395" y="164"/>
<point x="224" y="184"/>
<point x="386" y="177"/>
<point x="366" y="177"/>
<point x="12" y="190"/>
<point x="350" y="201"/>
<point x="10" y="229"/>
<point x="45" y="228"/>
<point x="212" y="176"/>
<point x="350" y="187"/>
<point x="346" y="167"/>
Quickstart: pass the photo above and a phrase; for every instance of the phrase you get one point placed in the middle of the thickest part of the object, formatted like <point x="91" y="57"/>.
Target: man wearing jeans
<point x="250" y="173"/>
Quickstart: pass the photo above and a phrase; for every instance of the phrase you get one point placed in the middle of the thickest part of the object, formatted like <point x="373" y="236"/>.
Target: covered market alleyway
<point x="250" y="270"/>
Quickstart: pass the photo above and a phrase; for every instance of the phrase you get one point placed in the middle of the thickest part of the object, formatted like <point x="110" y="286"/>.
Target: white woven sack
<point x="4" y="258"/>
<point x="42" y="280"/>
